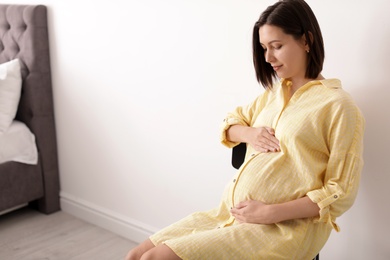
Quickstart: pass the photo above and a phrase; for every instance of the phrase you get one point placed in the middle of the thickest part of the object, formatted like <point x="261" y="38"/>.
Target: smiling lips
<point x="276" y="68"/>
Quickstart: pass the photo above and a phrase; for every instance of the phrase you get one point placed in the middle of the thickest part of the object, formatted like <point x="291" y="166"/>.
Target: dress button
<point x="252" y="154"/>
<point x="234" y="180"/>
<point x="335" y="196"/>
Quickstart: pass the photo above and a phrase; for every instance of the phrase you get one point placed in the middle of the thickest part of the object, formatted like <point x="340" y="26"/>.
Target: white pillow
<point x="10" y="90"/>
<point x="18" y="144"/>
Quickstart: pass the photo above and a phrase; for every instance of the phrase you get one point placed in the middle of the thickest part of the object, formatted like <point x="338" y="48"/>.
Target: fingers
<point x="267" y="142"/>
<point x="236" y="213"/>
<point x="241" y="205"/>
<point x="239" y="212"/>
<point x="270" y="130"/>
<point x="270" y="134"/>
<point x="268" y="146"/>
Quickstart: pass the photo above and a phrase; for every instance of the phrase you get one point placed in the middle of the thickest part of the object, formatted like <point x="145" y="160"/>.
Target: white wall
<point x="141" y="87"/>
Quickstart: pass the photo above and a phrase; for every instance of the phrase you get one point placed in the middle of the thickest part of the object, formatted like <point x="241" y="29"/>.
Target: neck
<point x="297" y="83"/>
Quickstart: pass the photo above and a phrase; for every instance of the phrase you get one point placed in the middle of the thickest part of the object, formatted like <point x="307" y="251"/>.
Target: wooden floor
<point x="26" y="234"/>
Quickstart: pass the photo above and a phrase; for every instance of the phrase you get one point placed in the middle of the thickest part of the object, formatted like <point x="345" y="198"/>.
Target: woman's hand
<point x="263" y="139"/>
<point x="254" y="212"/>
<point x="257" y="212"/>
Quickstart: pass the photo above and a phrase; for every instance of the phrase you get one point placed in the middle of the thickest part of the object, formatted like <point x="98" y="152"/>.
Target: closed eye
<point x="277" y="47"/>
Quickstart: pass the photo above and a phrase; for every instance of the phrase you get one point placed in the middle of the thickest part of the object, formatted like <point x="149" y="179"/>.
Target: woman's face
<point x="287" y="56"/>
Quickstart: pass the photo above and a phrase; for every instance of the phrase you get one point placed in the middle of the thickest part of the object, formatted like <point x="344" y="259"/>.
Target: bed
<point x="24" y="37"/>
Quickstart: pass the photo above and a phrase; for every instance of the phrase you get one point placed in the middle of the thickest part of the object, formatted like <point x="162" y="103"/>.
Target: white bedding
<point x="18" y="144"/>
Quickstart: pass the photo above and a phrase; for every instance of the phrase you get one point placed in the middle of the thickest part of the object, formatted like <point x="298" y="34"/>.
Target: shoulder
<point x="332" y="90"/>
<point x="340" y="102"/>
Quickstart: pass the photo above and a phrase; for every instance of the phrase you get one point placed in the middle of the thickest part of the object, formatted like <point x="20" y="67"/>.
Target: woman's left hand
<point x="254" y="212"/>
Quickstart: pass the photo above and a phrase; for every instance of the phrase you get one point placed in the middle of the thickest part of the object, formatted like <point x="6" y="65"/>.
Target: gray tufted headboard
<point x="24" y="35"/>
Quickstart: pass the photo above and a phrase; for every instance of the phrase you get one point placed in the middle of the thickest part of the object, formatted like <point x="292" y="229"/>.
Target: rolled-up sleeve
<point x="242" y="115"/>
<point x="227" y="122"/>
<point x="342" y="176"/>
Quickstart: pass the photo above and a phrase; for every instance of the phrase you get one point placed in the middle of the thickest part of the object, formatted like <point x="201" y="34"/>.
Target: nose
<point x="268" y="56"/>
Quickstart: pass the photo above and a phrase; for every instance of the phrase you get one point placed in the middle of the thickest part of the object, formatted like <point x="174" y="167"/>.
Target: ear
<point x="305" y="42"/>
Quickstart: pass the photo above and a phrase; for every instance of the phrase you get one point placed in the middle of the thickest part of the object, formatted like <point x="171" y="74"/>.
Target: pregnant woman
<point x="303" y="162"/>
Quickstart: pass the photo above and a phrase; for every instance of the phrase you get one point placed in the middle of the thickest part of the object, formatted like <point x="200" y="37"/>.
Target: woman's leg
<point x="160" y="252"/>
<point x="138" y="251"/>
<point x="147" y="250"/>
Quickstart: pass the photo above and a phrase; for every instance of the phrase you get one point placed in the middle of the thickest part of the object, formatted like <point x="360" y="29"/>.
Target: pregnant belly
<point x="268" y="177"/>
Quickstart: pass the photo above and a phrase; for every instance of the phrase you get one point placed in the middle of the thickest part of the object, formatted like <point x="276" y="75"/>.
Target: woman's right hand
<point x="262" y="139"/>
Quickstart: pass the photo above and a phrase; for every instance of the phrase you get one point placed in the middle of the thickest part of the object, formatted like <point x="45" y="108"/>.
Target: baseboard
<point x="102" y="217"/>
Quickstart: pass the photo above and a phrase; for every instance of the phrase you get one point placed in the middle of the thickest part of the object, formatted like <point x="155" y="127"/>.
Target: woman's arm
<point x="299" y="208"/>
<point x="262" y="139"/>
<point x="257" y="212"/>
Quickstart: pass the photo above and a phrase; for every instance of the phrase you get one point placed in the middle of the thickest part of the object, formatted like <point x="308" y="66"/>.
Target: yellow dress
<point x="320" y="130"/>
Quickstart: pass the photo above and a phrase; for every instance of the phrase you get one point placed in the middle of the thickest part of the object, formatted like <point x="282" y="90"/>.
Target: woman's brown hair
<point x="295" y="18"/>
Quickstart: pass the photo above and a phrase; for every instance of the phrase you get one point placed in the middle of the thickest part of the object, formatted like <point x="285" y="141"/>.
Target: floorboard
<point x="26" y="234"/>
